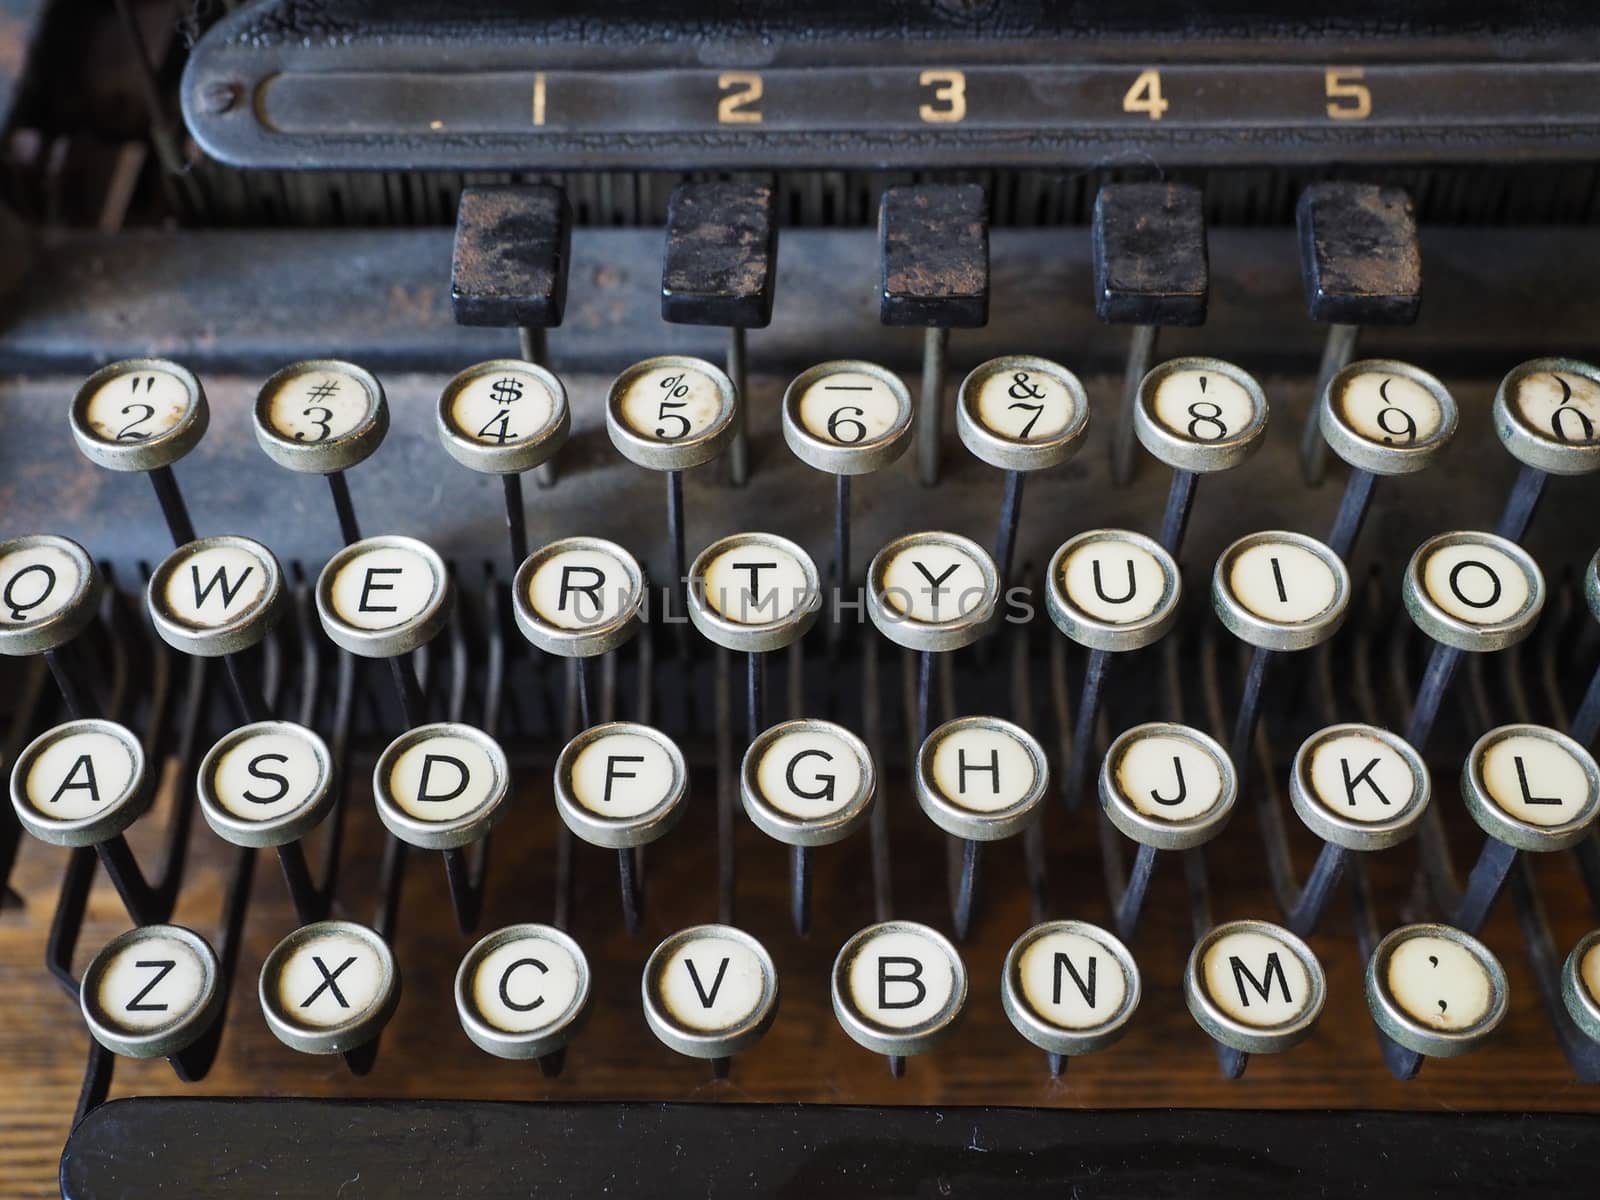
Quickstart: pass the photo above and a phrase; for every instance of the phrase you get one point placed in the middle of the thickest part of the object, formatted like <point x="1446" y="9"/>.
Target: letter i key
<point x="1277" y="592"/>
<point x="322" y="417"/>
<point x="1020" y="414"/>
<point x="143" y="414"/>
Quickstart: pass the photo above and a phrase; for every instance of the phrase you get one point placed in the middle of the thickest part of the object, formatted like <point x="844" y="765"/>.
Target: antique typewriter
<point x="941" y="598"/>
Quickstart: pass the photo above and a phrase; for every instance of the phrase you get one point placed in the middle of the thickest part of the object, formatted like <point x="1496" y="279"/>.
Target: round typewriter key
<point x="143" y="414"/>
<point x="1387" y="417"/>
<point x="266" y="784"/>
<point x="442" y="786"/>
<point x="1020" y="413"/>
<point x="579" y="597"/>
<point x="1531" y="788"/>
<point x="710" y="992"/>
<point x="140" y="414"/>
<point x="503" y="417"/>
<point x="1280" y="591"/>
<point x="753" y="592"/>
<point x="152" y="992"/>
<point x="80" y="783"/>
<point x="1473" y="591"/>
<point x="49" y="593"/>
<point x="807" y="783"/>
<point x="523" y="992"/>
<point x="1167" y="786"/>
<point x="1069" y="988"/>
<point x="671" y="413"/>
<point x="1200" y="414"/>
<point x="932" y="591"/>
<point x="330" y="988"/>
<point x="981" y="778"/>
<point x="1112" y="590"/>
<point x="1547" y="414"/>
<point x="899" y="988"/>
<point x="216" y="596"/>
<point x="1436" y="990"/>
<point x="847" y="417"/>
<point x="1580" y="984"/>
<point x="621" y="786"/>
<point x="1359" y="787"/>
<point x="321" y="416"/>
<point x="1255" y="987"/>
<point x="383" y="596"/>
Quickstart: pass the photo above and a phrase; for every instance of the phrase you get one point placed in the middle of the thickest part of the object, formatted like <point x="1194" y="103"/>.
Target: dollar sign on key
<point x="504" y="391"/>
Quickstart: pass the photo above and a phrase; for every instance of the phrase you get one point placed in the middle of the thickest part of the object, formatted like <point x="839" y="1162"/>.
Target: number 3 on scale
<point x="1145" y="96"/>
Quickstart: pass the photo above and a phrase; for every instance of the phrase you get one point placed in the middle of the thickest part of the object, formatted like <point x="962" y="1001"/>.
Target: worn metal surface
<point x="1359" y="254"/>
<point x="1150" y="263"/>
<point x="933" y="247"/>
<point x="512" y="251"/>
<point x="721" y="257"/>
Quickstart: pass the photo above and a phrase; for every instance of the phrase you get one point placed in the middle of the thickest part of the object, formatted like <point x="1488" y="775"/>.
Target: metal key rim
<point x="697" y="1043"/>
<point x="1014" y="454"/>
<point x="1502" y="825"/>
<point x="233" y="635"/>
<point x="753" y="638"/>
<point x="273" y="831"/>
<point x="1528" y="445"/>
<point x="806" y="831"/>
<point x="626" y="832"/>
<point x="681" y="454"/>
<point x="394" y="640"/>
<point x="1059" y="1039"/>
<point x="853" y="458"/>
<point x="911" y="634"/>
<point x="113" y="819"/>
<point x="1327" y="823"/>
<point x="1263" y="632"/>
<point x="333" y="454"/>
<point x="1408" y="1032"/>
<point x="1361" y="452"/>
<point x="458" y="831"/>
<point x="590" y="640"/>
<point x="1095" y="632"/>
<point x="1187" y="454"/>
<point x="972" y="824"/>
<point x="150" y="453"/>
<point x="1236" y="1034"/>
<point x="1157" y="832"/>
<point x="1451" y="630"/>
<point x="72" y="617"/>
<point x="507" y="1044"/>
<point x="895" y="1040"/>
<point x="174" y="1038"/>
<point x="328" y="1039"/>
<point x="523" y="454"/>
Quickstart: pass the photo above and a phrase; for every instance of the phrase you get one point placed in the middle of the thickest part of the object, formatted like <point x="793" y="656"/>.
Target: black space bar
<point x="381" y="1148"/>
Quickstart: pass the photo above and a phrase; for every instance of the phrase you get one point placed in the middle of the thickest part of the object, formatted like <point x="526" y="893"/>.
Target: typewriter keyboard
<point x="848" y="749"/>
